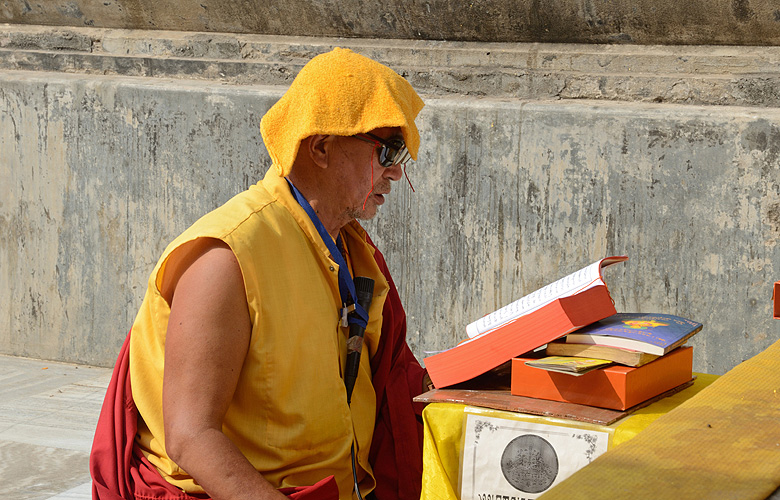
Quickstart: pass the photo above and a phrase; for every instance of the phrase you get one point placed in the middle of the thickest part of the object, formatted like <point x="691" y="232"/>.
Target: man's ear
<point x="318" y="148"/>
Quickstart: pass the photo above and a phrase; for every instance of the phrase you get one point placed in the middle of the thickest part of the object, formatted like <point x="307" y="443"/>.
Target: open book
<point x="551" y="312"/>
<point x="572" y="284"/>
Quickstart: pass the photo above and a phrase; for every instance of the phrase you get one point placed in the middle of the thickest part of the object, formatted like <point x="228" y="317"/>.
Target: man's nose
<point x="394" y="172"/>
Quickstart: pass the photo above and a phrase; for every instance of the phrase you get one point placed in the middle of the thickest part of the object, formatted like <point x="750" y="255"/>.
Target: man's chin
<point x="366" y="214"/>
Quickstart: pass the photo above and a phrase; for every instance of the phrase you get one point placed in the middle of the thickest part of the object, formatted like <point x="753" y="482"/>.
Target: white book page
<point x="577" y="281"/>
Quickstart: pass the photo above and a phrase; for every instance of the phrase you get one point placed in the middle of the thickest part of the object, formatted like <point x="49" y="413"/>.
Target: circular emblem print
<point x="529" y="463"/>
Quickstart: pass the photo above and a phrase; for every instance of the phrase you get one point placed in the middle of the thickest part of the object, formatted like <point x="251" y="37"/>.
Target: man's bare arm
<point x="206" y="343"/>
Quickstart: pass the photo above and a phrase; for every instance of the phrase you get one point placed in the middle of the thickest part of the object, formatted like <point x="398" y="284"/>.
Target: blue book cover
<point x="647" y="332"/>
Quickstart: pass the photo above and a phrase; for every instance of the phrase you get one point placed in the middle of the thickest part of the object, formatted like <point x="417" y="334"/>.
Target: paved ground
<point x="48" y="413"/>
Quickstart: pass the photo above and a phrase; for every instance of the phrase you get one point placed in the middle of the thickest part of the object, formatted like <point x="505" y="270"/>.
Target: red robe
<point x="119" y="471"/>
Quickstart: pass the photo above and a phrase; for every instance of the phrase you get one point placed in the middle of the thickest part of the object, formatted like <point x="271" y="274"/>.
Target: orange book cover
<point x="489" y="350"/>
<point x="615" y="387"/>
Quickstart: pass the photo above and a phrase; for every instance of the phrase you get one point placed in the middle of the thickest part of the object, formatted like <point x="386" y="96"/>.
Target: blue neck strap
<point x="346" y="284"/>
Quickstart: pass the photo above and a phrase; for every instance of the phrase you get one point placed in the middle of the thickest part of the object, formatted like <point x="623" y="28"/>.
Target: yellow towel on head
<point x="339" y="93"/>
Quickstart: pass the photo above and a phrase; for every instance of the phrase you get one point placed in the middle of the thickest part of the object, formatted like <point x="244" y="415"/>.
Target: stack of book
<point x="618" y="362"/>
<point x="595" y="356"/>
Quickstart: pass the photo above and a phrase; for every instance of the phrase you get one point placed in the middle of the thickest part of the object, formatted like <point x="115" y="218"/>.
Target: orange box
<point x="616" y="387"/>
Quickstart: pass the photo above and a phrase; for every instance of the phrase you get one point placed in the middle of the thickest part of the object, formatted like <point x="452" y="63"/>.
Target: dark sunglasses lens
<point x="386" y="156"/>
<point x="393" y="153"/>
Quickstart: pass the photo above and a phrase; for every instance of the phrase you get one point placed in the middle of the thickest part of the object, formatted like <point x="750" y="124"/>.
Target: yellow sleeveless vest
<point x="289" y="414"/>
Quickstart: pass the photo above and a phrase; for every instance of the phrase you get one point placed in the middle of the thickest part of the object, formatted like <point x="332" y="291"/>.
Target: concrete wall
<point x="515" y="187"/>
<point x="693" y="22"/>
<point x="96" y="176"/>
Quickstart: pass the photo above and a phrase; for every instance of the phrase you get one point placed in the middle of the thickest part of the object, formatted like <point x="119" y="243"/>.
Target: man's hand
<point x="427" y="384"/>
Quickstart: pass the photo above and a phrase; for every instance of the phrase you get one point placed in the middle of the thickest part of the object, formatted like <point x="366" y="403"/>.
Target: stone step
<point x="718" y="75"/>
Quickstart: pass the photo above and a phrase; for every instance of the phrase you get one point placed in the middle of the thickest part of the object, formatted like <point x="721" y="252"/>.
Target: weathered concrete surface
<point x="746" y="76"/>
<point x="512" y="194"/>
<point x="694" y="22"/>
<point x="97" y="174"/>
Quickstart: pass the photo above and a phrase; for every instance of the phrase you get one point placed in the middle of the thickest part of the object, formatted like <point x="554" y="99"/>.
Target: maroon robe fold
<point x="396" y="447"/>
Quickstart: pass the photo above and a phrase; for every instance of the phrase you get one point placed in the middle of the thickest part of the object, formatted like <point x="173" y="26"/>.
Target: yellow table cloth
<point x="443" y="435"/>
<point x="722" y="444"/>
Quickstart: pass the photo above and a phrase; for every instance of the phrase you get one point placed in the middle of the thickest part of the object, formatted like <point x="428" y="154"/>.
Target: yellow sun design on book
<point x="643" y="324"/>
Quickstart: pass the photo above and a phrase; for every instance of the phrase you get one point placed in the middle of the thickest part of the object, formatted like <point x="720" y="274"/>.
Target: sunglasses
<point x="392" y="151"/>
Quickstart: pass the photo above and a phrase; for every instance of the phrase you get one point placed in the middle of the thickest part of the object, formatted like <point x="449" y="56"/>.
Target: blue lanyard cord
<point x="346" y="284"/>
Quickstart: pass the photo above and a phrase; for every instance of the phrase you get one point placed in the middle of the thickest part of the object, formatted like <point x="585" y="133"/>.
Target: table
<point x="444" y="432"/>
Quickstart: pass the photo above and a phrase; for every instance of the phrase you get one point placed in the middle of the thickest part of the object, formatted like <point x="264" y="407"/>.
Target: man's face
<point x="364" y="181"/>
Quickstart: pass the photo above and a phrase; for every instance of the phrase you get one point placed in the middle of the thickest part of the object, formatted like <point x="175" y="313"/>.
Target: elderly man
<point x="236" y="359"/>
